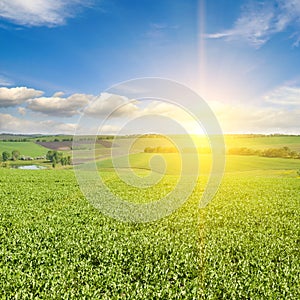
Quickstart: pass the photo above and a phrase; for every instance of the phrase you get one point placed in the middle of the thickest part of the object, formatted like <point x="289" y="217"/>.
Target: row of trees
<point x="160" y="149"/>
<point x="284" y="152"/>
<point x="16" y="140"/>
<point x="53" y="156"/>
<point x="14" y="155"/>
<point x="55" y="140"/>
<point x="57" y="157"/>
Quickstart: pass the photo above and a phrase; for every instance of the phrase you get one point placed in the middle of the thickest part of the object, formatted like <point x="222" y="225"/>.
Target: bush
<point x="160" y="149"/>
<point x="15" y="154"/>
<point x="5" y="156"/>
<point x="284" y="152"/>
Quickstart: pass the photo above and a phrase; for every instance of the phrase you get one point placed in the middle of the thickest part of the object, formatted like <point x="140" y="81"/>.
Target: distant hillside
<point x="19" y="137"/>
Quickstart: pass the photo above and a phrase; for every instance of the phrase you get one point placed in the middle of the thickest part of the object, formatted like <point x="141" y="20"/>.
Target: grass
<point x="234" y="163"/>
<point x="25" y="148"/>
<point x="244" y="245"/>
<point x="263" y="142"/>
<point x="55" y="245"/>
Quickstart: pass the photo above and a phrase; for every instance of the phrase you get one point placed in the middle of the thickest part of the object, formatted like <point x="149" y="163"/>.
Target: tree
<point x="54" y="155"/>
<point x="5" y="156"/>
<point x="15" y="154"/>
<point x="54" y="164"/>
<point x="63" y="161"/>
<point x="69" y="160"/>
<point x="49" y="155"/>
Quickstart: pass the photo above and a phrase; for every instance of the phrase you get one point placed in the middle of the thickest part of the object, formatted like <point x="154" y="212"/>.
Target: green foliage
<point x="160" y="149"/>
<point x="284" y="152"/>
<point x="5" y="156"/>
<point x="54" y="156"/>
<point x="243" y="151"/>
<point x="234" y="163"/>
<point x="15" y="154"/>
<point x="65" y="161"/>
<point x="57" y="157"/>
<point x="25" y="148"/>
<point x="263" y="142"/>
<point x="55" y="245"/>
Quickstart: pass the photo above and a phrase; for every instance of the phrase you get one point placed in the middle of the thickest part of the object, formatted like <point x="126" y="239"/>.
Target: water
<point x="30" y="167"/>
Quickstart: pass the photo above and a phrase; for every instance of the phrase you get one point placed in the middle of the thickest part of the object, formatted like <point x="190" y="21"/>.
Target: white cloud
<point x="284" y="95"/>
<point x="9" y="123"/>
<point x="168" y="110"/>
<point x="233" y="118"/>
<point x="17" y="95"/>
<point x="39" y="12"/>
<point x="256" y="119"/>
<point x="110" y="129"/>
<point x="115" y="105"/>
<point x="57" y="106"/>
<point x="22" y="111"/>
<point x="58" y="94"/>
<point x="258" y="23"/>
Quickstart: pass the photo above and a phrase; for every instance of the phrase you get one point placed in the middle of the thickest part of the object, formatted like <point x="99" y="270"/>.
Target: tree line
<point x="160" y="149"/>
<point x="14" y="155"/>
<point x="57" y="157"/>
<point x="53" y="156"/>
<point x="284" y="152"/>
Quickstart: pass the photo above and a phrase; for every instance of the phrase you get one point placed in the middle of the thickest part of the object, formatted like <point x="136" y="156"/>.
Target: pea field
<point x="244" y="245"/>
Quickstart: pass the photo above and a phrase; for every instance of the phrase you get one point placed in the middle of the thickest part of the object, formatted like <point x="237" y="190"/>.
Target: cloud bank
<point x="107" y="104"/>
<point x="259" y="21"/>
<point x="40" y="12"/>
<point x="278" y="111"/>
<point x="285" y="95"/>
<point x="58" y="106"/>
<point x="17" y="95"/>
<point x="9" y="123"/>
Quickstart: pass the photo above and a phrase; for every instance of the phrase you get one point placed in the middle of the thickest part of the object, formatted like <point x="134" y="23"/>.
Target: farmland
<point x="243" y="245"/>
<point x="25" y="148"/>
<point x="235" y="163"/>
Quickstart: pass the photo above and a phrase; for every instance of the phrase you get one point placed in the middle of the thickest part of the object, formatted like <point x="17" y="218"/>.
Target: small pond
<point x="29" y="167"/>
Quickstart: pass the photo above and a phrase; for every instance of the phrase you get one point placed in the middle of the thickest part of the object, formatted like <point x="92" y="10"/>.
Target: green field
<point x="234" y="163"/>
<point x="232" y="141"/>
<point x="243" y="245"/>
<point x="55" y="245"/>
<point x="25" y="148"/>
<point x="263" y="142"/>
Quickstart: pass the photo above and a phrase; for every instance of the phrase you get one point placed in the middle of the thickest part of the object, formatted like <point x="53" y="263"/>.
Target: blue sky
<point x="57" y="57"/>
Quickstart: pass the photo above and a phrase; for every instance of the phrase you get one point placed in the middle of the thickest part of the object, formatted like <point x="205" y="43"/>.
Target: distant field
<point x="67" y="145"/>
<point x="234" y="163"/>
<point x="293" y="142"/>
<point x="231" y="141"/>
<point x="51" y="138"/>
<point x="25" y="148"/>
